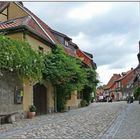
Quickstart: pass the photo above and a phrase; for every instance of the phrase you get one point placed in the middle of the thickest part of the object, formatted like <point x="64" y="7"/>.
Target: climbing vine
<point x="90" y="86"/>
<point x="18" y="56"/>
<point x="67" y="74"/>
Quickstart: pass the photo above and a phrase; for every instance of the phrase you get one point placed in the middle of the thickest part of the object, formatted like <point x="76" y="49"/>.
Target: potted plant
<point x="32" y="111"/>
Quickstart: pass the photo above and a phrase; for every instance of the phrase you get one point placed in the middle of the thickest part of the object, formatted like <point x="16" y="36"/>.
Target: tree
<point x="136" y="92"/>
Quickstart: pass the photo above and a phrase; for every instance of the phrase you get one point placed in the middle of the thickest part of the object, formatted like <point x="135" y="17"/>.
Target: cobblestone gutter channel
<point x="126" y="125"/>
<point x="115" y="125"/>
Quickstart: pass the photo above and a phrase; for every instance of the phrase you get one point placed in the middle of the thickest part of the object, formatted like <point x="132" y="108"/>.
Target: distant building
<point x="110" y="88"/>
<point x="99" y="94"/>
<point x="136" y="81"/>
<point x="124" y="86"/>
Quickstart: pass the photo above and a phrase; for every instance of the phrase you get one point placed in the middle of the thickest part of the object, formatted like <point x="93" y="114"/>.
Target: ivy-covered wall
<point x="8" y="84"/>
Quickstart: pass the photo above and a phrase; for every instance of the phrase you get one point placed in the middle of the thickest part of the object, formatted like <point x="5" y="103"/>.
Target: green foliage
<point x="32" y="108"/>
<point x="90" y="86"/>
<point x="83" y="103"/>
<point x="18" y="56"/>
<point x="62" y="69"/>
<point x="136" y="92"/>
<point x="65" y="73"/>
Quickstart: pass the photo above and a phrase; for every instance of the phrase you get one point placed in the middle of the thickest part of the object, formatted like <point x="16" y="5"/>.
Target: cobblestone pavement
<point x="127" y="124"/>
<point x="88" y="122"/>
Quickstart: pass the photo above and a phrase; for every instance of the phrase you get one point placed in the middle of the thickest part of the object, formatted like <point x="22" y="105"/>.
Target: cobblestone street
<point x="99" y="120"/>
<point x="127" y="124"/>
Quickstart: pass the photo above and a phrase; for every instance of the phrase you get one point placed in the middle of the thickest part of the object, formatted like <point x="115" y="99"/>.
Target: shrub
<point x="32" y="108"/>
<point x="83" y="103"/>
<point x="136" y="92"/>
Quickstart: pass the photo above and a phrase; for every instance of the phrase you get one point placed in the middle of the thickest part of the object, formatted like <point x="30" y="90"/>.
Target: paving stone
<point x="88" y="122"/>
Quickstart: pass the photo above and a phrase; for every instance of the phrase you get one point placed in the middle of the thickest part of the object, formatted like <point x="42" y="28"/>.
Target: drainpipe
<point x="55" y="99"/>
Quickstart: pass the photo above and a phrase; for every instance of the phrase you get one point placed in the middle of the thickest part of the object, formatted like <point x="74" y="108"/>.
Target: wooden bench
<point x="7" y="118"/>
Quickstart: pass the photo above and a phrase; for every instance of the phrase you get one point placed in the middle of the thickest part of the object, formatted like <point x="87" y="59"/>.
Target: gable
<point x="15" y="11"/>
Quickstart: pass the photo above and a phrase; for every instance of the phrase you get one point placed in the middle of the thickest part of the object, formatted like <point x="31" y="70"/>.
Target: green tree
<point x="136" y="92"/>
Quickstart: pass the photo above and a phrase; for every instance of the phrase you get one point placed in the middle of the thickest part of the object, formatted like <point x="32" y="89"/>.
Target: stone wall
<point x="8" y="84"/>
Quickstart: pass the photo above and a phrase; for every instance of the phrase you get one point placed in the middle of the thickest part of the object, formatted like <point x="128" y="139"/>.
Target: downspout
<point x="55" y="99"/>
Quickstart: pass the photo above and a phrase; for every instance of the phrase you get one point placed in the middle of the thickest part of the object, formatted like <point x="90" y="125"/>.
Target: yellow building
<point x="17" y="22"/>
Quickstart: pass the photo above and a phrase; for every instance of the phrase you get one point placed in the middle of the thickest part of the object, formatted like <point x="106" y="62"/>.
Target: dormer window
<point x="66" y="43"/>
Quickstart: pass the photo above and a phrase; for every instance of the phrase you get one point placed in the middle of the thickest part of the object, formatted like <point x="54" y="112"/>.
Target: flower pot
<point x="31" y="115"/>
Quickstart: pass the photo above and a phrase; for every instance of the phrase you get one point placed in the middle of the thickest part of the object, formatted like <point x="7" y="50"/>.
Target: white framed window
<point x="66" y="43"/>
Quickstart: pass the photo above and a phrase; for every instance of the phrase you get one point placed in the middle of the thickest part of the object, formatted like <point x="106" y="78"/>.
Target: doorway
<point x="40" y="98"/>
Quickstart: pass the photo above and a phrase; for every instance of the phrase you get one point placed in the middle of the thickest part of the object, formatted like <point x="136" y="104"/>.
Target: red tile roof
<point x="86" y="59"/>
<point x="124" y="74"/>
<point x="26" y="21"/>
<point x="43" y="25"/>
<point x="112" y="80"/>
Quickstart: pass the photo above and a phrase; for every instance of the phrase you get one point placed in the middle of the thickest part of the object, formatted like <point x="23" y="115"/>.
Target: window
<point x="119" y="84"/>
<point x="41" y="50"/>
<point x="18" y="96"/>
<point x="66" y="43"/>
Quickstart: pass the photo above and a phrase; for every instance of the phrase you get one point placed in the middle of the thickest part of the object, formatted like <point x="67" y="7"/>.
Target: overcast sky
<point x="108" y="30"/>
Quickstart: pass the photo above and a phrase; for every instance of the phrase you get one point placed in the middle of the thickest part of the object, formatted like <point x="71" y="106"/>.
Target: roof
<point x="81" y="54"/>
<point x="39" y="22"/>
<point x="23" y="21"/>
<point x="125" y="74"/>
<point x="70" y="52"/>
<point x="59" y="33"/>
<point x="73" y="44"/>
<point x="89" y="54"/>
<point x="112" y="80"/>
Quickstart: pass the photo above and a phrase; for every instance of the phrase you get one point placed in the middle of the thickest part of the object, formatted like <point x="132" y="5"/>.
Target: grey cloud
<point x="123" y="19"/>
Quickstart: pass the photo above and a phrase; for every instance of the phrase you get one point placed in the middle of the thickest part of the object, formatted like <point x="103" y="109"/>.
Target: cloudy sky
<point x="108" y="30"/>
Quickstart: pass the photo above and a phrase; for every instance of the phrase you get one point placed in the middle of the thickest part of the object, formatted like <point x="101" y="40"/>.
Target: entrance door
<point x="40" y="98"/>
